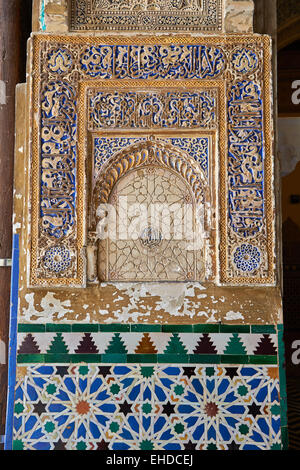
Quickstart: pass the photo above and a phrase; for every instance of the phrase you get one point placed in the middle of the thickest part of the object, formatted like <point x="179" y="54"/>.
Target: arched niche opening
<point x="150" y="219"/>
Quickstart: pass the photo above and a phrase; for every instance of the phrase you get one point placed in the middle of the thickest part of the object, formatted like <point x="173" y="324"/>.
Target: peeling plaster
<point x="171" y="303"/>
<point x="16" y="225"/>
<point x="52" y="308"/>
<point x="234" y="316"/>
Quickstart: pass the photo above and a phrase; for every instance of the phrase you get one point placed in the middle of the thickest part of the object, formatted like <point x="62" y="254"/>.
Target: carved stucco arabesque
<point x="145" y="15"/>
<point x="238" y="68"/>
<point x="210" y="16"/>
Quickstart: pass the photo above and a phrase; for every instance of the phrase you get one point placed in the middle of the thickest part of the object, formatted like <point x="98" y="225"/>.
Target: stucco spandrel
<point x="152" y="303"/>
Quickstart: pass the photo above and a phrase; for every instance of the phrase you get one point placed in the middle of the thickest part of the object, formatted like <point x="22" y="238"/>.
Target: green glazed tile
<point x="145" y="328"/>
<point x="94" y="358"/>
<point x="204" y="358"/>
<point x="282" y="381"/>
<point x="235" y="346"/>
<point x="211" y="328"/>
<point x="57" y="358"/>
<point x="283" y="391"/>
<point x="263" y="329"/>
<point x="54" y="328"/>
<point x="173" y="358"/>
<point x="234" y="328"/>
<point x="284" y="438"/>
<point x="30" y="358"/>
<point x="29" y="328"/>
<point x="114" y="358"/>
<point x="114" y="327"/>
<point x="283" y="409"/>
<point x="18" y="445"/>
<point x="84" y="327"/>
<point x="234" y="359"/>
<point x="141" y="358"/>
<point x="257" y="359"/>
<point x="177" y="328"/>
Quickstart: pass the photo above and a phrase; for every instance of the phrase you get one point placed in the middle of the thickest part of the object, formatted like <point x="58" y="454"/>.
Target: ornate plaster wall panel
<point x="145" y="15"/>
<point x="82" y="86"/>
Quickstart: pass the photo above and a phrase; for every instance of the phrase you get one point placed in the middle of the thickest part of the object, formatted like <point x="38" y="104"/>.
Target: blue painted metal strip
<point x="12" y="355"/>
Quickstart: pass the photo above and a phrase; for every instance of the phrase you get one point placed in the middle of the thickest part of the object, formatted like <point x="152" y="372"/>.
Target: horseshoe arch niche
<point x="149" y="218"/>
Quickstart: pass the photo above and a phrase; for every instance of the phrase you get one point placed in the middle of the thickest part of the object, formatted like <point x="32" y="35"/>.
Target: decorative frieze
<point x="152" y="110"/>
<point x="147" y="15"/>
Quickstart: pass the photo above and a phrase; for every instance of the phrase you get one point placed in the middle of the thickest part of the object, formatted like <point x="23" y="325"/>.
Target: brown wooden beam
<point x="14" y="17"/>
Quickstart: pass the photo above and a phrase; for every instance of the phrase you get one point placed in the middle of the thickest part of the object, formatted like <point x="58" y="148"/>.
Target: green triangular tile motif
<point x="175" y="346"/>
<point x="116" y="345"/>
<point x="58" y="346"/>
<point x="235" y="346"/>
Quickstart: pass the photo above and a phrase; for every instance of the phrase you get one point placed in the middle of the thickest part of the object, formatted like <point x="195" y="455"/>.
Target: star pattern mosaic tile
<point x="147" y="407"/>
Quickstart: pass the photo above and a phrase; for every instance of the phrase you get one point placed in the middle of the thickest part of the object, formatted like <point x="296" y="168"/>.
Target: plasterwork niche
<point x="112" y="110"/>
<point x="166" y="189"/>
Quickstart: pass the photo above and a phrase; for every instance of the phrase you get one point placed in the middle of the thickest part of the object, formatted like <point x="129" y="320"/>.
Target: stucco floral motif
<point x="247" y="258"/>
<point x="59" y="60"/>
<point x="244" y="60"/>
<point x="57" y="259"/>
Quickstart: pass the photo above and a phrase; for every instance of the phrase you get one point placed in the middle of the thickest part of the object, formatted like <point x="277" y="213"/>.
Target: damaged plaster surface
<point x="162" y="303"/>
<point x="239" y="16"/>
<point x="53" y="15"/>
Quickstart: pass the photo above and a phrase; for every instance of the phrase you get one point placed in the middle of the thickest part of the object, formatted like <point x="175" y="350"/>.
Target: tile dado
<point x="142" y="407"/>
<point x="149" y="344"/>
<point x="196" y="344"/>
<point x="136" y="328"/>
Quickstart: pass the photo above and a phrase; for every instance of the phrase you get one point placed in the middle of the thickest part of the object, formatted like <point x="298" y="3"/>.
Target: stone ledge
<point x="239" y="16"/>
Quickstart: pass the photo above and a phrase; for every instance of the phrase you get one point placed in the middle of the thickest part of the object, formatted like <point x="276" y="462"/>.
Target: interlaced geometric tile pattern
<point x="148" y="387"/>
<point x="147" y="407"/>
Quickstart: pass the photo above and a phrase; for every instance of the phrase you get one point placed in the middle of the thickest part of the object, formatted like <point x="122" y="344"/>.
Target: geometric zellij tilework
<point x="194" y="388"/>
